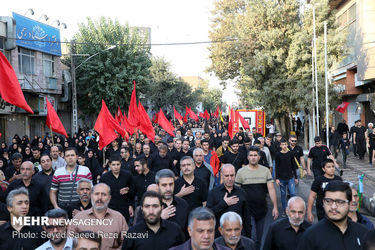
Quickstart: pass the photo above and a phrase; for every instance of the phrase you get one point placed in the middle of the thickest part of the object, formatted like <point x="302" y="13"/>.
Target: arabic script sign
<point x="35" y="35"/>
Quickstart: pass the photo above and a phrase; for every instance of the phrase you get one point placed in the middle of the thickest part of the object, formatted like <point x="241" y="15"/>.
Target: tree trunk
<point x="306" y="131"/>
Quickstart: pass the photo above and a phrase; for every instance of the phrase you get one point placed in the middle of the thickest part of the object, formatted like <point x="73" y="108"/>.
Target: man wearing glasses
<point x="297" y="152"/>
<point x="335" y="231"/>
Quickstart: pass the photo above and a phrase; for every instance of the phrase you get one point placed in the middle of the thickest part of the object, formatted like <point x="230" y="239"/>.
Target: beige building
<point x="193" y="81"/>
<point x="354" y="77"/>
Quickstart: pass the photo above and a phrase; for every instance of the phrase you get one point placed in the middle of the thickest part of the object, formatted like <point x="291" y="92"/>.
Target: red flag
<point x="231" y="123"/>
<point x="192" y="114"/>
<point x="145" y="124"/>
<point x="216" y="114"/>
<point x="176" y="114"/>
<point x="164" y="123"/>
<point x="118" y="116"/>
<point x="10" y="88"/>
<point x="53" y="121"/>
<point x="126" y="125"/>
<point x="342" y="107"/>
<point x="186" y="117"/>
<point x="244" y="123"/>
<point x="201" y="115"/>
<point x="105" y="127"/>
<point x="133" y="110"/>
<point x="206" y="115"/>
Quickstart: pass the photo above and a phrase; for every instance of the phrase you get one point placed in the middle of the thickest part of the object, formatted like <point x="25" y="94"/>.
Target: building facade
<point x="34" y="51"/>
<point x="354" y="76"/>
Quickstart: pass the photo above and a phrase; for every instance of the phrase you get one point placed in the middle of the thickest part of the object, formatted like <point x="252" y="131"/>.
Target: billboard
<point x="38" y="36"/>
<point x="255" y="118"/>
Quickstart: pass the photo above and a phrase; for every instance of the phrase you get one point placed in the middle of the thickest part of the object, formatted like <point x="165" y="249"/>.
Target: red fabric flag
<point x="177" y="115"/>
<point x="231" y="123"/>
<point x="126" y="125"/>
<point x="192" y="115"/>
<point x="342" y="107"/>
<point x="53" y="121"/>
<point x="216" y="114"/>
<point x="201" y="115"/>
<point x="206" y="115"/>
<point x="244" y="123"/>
<point x="105" y="127"/>
<point x="145" y="124"/>
<point x="133" y="110"/>
<point x="10" y="88"/>
<point x="118" y="116"/>
<point x="164" y="123"/>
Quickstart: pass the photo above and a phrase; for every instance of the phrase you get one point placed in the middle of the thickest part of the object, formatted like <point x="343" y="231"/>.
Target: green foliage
<point x="270" y="59"/>
<point x="167" y="90"/>
<point x="209" y="97"/>
<point x="109" y="75"/>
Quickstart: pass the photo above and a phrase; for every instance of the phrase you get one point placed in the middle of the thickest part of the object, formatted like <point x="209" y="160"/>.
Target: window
<point x="2" y="44"/>
<point x="26" y="61"/>
<point x="48" y="65"/>
<point x="352" y="13"/>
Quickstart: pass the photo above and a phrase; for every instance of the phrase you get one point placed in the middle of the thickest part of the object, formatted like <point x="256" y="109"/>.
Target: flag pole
<point x="53" y="143"/>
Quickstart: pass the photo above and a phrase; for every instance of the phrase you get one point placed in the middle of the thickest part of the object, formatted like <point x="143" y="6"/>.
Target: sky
<point x="171" y="21"/>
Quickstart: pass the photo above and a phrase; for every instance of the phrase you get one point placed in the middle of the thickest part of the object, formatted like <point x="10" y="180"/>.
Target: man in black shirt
<point x="286" y="175"/>
<point x="127" y="162"/>
<point x="44" y="177"/>
<point x="13" y="171"/>
<point x="122" y="188"/>
<point x="189" y="187"/>
<point x="161" y="234"/>
<point x="84" y="187"/>
<point x="175" y="209"/>
<point x="298" y="153"/>
<point x="37" y="196"/>
<point x="14" y="235"/>
<point x="360" y="138"/>
<point x="144" y="178"/>
<point x="317" y="190"/>
<point x="228" y="197"/>
<point x="335" y="231"/>
<point x="318" y="154"/>
<point x="161" y="160"/>
<point x="185" y="151"/>
<point x="351" y="133"/>
<point x="286" y="233"/>
<point x="203" y="170"/>
<point x="234" y="157"/>
<point x="342" y="127"/>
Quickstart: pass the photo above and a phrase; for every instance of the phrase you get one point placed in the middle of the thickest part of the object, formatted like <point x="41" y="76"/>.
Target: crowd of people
<point x="197" y="189"/>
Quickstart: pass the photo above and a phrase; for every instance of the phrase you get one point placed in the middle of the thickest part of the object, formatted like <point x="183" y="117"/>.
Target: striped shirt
<point x="62" y="181"/>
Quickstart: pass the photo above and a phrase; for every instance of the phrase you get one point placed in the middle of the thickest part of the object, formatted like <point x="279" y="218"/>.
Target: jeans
<point x="292" y="191"/>
<point x="273" y="169"/>
<point x="259" y="228"/>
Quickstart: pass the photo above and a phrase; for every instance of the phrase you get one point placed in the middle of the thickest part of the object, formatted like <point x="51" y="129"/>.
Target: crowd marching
<point x="198" y="189"/>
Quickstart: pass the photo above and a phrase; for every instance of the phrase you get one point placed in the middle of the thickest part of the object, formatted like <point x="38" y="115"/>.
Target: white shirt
<point x="48" y="246"/>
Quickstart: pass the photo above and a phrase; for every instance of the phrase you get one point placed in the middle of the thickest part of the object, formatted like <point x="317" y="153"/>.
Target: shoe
<point x="341" y="172"/>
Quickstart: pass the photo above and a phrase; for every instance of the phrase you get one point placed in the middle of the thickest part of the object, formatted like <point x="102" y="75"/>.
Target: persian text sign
<point x="35" y="35"/>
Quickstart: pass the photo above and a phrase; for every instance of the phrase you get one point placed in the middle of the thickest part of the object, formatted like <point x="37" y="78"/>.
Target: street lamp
<point x="74" y="85"/>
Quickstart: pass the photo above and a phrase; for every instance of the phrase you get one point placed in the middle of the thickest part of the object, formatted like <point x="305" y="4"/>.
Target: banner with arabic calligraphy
<point x="38" y="36"/>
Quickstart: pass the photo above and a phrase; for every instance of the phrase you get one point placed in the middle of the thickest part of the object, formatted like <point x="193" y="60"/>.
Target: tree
<point x="166" y="89"/>
<point x="209" y="97"/>
<point x="270" y="55"/>
<point x="109" y="75"/>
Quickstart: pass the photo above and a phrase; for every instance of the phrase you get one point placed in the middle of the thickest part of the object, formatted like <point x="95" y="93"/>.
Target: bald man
<point x="114" y="224"/>
<point x="37" y="194"/>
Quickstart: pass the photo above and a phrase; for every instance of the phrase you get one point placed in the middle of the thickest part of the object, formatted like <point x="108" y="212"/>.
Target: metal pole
<point x="74" y="90"/>
<point x="313" y="92"/>
<point x="316" y="77"/>
<point x="326" y="79"/>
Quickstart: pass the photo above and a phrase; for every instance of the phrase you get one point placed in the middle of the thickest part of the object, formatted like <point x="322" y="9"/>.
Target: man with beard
<point x="13" y="171"/>
<point x="144" y="178"/>
<point x="161" y="234"/>
<point x="234" y="157"/>
<point x="44" y="177"/>
<point x="203" y="170"/>
<point x="230" y="230"/>
<point x="84" y="187"/>
<point x="335" y="231"/>
<point x="185" y="151"/>
<point x="56" y="231"/>
<point x="127" y="162"/>
<point x="287" y="232"/>
<point x="161" y="160"/>
<point x="114" y="224"/>
<point x="353" y="214"/>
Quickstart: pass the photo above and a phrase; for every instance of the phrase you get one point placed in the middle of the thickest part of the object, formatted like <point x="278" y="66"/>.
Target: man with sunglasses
<point x="335" y="231"/>
<point x="298" y="153"/>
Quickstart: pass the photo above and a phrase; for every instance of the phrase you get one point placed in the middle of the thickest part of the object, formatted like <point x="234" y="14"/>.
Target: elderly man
<point x="12" y="233"/>
<point x="287" y="232"/>
<point x="353" y="214"/>
<point x="56" y="232"/>
<point x="37" y="196"/>
<point x="201" y="229"/>
<point x="230" y="230"/>
<point x="335" y="231"/>
<point x="203" y="170"/>
<point x="116" y="223"/>
<point x="84" y="187"/>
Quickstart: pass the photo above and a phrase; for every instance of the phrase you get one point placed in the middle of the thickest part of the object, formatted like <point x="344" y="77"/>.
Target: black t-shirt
<point x="319" y="155"/>
<point x="359" y="133"/>
<point x="371" y="137"/>
<point x="318" y="186"/>
<point x="237" y="160"/>
<point x="196" y="198"/>
<point x="285" y="166"/>
<point x="203" y="173"/>
<point x="297" y="152"/>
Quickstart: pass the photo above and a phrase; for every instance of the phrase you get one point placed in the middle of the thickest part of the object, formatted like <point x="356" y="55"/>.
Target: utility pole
<point x="326" y="79"/>
<point x="74" y="89"/>
<point x="316" y="76"/>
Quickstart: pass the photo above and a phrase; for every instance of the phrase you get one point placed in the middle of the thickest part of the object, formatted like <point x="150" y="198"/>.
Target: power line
<point x="146" y="44"/>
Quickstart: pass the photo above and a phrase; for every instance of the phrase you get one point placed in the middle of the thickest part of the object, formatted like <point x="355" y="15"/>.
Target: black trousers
<point x="361" y="148"/>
